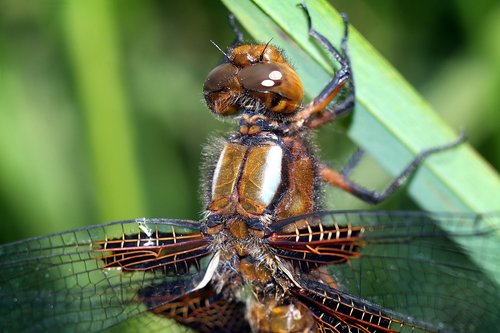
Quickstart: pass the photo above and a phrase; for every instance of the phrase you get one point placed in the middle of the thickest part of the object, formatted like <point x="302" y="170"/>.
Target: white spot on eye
<point x="275" y="75"/>
<point x="267" y="83"/>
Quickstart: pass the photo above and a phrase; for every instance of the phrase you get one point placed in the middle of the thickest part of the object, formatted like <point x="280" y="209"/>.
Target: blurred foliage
<point x="101" y="112"/>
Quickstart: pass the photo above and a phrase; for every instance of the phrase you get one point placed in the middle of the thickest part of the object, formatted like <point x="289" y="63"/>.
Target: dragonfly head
<point x="257" y="78"/>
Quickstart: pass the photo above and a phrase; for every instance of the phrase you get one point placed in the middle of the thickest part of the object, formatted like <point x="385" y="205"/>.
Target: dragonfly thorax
<point x="262" y="178"/>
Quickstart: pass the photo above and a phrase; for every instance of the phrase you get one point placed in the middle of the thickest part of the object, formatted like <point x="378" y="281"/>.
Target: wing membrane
<point x="154" y="250"/>
<point x="204" y="310"/>
<point x="338" y="312"/>
<point x="69" y="282"/>
<point x="315" y="244"/>
<point x="409" y="264"/>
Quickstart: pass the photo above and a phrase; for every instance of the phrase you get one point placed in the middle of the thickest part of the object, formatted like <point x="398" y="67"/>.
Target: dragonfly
<point x="265" y="256"/>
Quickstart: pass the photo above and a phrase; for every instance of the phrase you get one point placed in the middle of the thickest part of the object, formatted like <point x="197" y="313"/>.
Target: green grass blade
<point x="94" y="53"/>
<point x="391" y="121"/>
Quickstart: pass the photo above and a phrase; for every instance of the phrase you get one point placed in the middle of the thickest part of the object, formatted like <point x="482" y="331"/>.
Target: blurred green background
<point x="101" y="112"/>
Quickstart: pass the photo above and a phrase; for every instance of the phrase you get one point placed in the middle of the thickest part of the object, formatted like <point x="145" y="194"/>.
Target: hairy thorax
<point x="256" y="181"/>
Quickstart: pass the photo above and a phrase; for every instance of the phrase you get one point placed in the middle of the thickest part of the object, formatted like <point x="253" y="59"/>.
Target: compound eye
<point x="261" y="76"/>
<point x="276" y="85"/>
<point x="220" y="87"/>
<point x="219" y="78"/>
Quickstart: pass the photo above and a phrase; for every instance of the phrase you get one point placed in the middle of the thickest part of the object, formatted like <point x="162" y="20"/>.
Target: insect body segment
<point x="265" y="257"/>
<point x="267" y="172"/>
<point x="256" y="78"/>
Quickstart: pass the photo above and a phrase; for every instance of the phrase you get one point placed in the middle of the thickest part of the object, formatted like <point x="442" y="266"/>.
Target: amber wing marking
<point x="340" y="313"/>
<point x="314" y="245"/>
<point x="170" y="252"/>
<point x="203" y="310"/>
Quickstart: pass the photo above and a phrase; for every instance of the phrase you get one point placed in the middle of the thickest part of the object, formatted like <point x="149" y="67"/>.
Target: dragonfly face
<point x="264" y="258"/>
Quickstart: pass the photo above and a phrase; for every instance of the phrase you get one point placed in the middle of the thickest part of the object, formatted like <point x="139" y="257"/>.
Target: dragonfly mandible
<point x="265" y="257"/>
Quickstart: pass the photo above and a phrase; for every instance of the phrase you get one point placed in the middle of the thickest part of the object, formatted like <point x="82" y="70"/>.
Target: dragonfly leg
<point x="340" y="180"/>
<point x="353" y="162"/>
<point x="316" y="113"/>
<point x="238" y="40"/>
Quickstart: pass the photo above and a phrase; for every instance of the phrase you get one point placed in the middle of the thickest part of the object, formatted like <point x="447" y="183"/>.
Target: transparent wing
<point x="405" y="261"/>
<point x="204" y="310"/>
<point x="74" y="281"/>
<point x="336" y="311"/>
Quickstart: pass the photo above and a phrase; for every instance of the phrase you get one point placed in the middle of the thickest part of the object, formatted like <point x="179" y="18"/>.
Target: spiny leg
<point x="328" y="114"/>
<point x="238" y="40"/>
<point x="339" y="180"/>
<point x="316" y="112"/>
<point x="341" y="57"/>
<point x="353" y="162"/>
